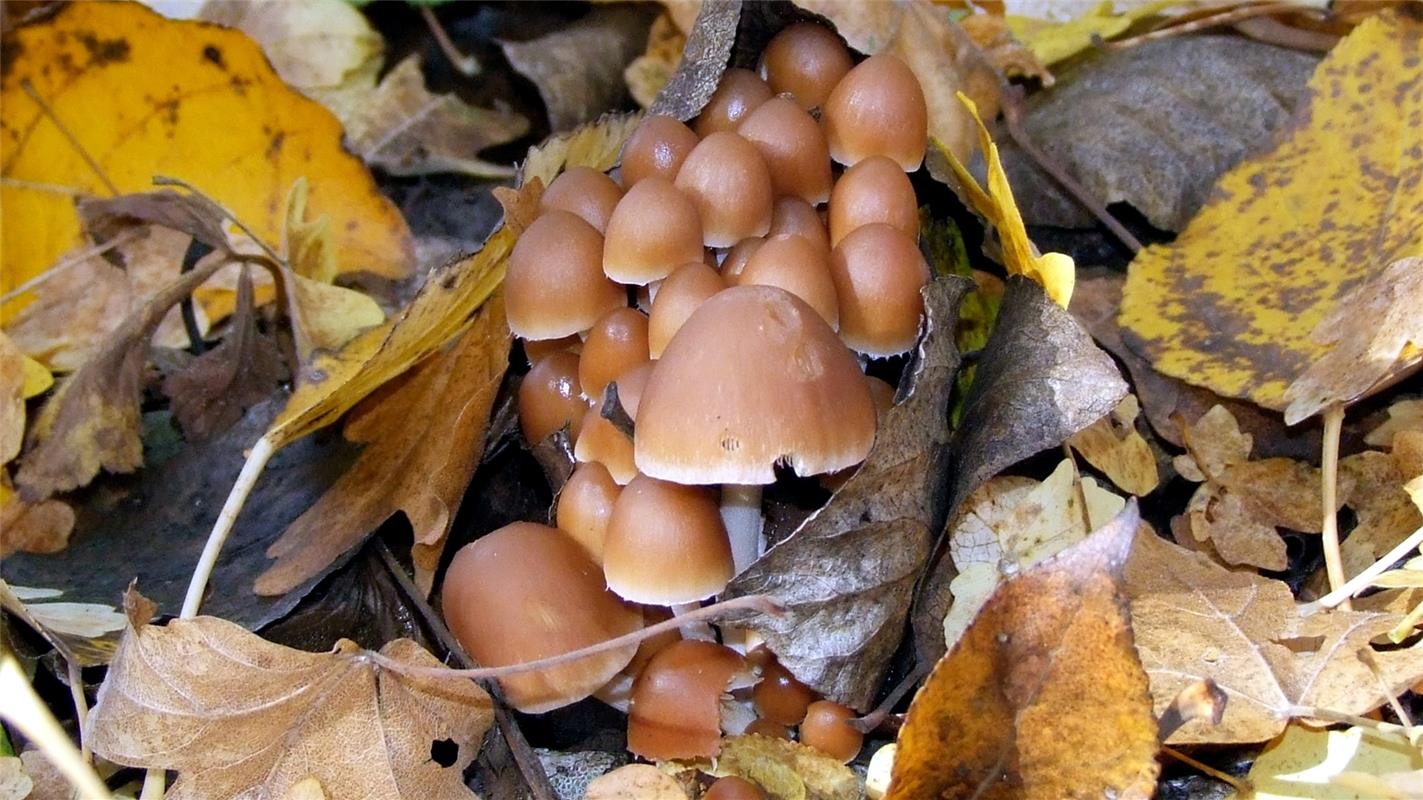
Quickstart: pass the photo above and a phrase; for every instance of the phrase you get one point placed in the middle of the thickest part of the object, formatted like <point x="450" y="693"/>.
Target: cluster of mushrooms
<point x="718" y="290"/>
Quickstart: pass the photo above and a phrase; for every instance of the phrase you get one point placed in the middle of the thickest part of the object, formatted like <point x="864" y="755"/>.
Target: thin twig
<point x="1364" y="579"/>
<point x="1311" y="712"/>
<point x="72" y="261"/>
<point x="882" y="712"/>
<point x="1013" y="109"/>
<point x="466" y="65"/>
<point x="716" y="611"/>
<point x="41" y="186"/>
<point x="24" y="710"/>
<point x="246" y="480"/>
<point x="1242" y="787"/>
<point x="81" y="705"/>
<point x="1329" y="527"/>
<point x="1366" y="655"/>
<point x="73" y="141"/>
<point x="1204" y="23"/>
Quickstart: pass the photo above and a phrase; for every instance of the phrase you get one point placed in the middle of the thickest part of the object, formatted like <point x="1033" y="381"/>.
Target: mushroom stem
<point x="695" y="628"/>
<point x="741" y="513"/>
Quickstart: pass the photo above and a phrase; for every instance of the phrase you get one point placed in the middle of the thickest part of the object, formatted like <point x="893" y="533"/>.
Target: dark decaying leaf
<point x="1130" y="129"/>
<point x="846" y="575"/>
<point x="1044" y="696"/>
<point x="704" y="59"/>
<point x="211" y="393"/>
<point x="193" y="214"/>
<point x="1039" y="380"/>
<point x="579" y="69"/>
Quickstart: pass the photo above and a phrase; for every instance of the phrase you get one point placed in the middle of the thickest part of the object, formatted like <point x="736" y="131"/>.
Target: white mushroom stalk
<point x="741" y="513"/>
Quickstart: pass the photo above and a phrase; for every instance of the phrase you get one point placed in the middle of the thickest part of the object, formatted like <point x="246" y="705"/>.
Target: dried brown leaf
<point x="868" y="544"/>
<point x="238" y="716"/>
<point x="1195" y="619"/>
<point x="1044" y="697"/>
<point x="784" y="770"/>
<point x="635" y="782"/>
<point x="704" y="58"/>
<point x="12" y="399"/>
<point x="40" y="527"/>
<point x="1384" y="513"/>
<point x="424" y="435"/>
<point x="1113" y="445"/>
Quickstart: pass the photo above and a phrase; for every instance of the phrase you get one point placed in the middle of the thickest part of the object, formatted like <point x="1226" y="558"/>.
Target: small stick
<point x="1226" y="18"/>
<point x="74" y="260"/>
<point x="466" y="65"/>
<point x="247" y="479"/>
<point x="1242" y="787"/>
<point x="1367" y="656"/>
<point x="73" y="141"/>
<point x="874" y="719"/>
<point x="755" y="602"/>
<point x="1329" y="527"/>
<point x="24" y="709"/>
<point x="1308" y="712"/>
<point x="1362" y="581"/>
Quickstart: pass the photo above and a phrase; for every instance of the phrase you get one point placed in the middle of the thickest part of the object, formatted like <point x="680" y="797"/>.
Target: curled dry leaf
<point x="1195" y="619"/>
<point x="868" y="544"/>
<point x="704" y="58"/>
<point x="1044" y="695"/>
<point x="423" y="436"/>
<point x="238" y="716"/>
<point x="1113" y="445"/>
<point x="650" y="72"/>
<point x="84" y="633"/>
<point x="1231" y="303"/>
<point x="785" y="770"/>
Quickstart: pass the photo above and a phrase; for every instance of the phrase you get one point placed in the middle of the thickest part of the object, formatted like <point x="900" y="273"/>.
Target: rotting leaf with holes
<point x="238" y="716"/>
<point x="178" y="98"/>
<point x="1044" y="696"/>
<point x="869" y="542"/>
<point x="1231" y="303"/>
<point x="423" y="436"/>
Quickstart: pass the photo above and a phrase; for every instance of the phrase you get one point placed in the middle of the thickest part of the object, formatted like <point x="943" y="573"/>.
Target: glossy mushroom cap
<point x="792" y="216"/>
<point x="536" y="349"/>
<point x="676" y="701"/>
<point x="616" y="343"/>
<point x="731" y="787"/>
<point x="550" y="397"/>
<point x="878" y="273"/>
<point x="555" y="285"/>
<point x="825" y="728"/>
<point x="583" y="191"/>
<point x="779" y="697"/>
<point x="789" y="138"/>
<point x="526" y="592"/>
<point x="765" y="727"/>
<point x="739" y="93"/>
<point x="727" y="180"/>
<point x="666" y="544"/>
<point x="738" y="256"/>
<point x="753" y="379"/>
<point x="800" y="267"/>
<point x="601" y="441"/>
<point x="877" y="109"/>
<point x="874" y="190"/>
<point x="584" y="506"/>
<point x="805" y="60"/>
<point x="657" y="147"/>
<point x="654" y="229"/>
<point x="680" y="294"/>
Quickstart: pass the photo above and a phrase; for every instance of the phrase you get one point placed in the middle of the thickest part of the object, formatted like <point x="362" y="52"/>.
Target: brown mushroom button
<point x="728" y="181"/>
<point x="666" y="544"/>
<point x="874" y="190"/>
<point x="555" y="285"/>
<point x="584" y="505"/>
<point x="790" y="140"/>
<point x="731" y="787"/>
<point x="794" y="216"/>
<point x="654" y="229"/>
<point x="807" y="60"/>
<point x="799" y="266"/>
<point x="739" y="93"/>
<point x="676" y="701"/>
<point x="779" y="697"/>
<point x="583" y="191"/>
<point x="877" y="109"/>
<point x="600" y="440"/>
<point x="657" y="147"/>
<point x="551" y="397"/>
<point x="878" y="273"/>
<point x="616" y="343"/>
<point x="680" y="294"/>
<point x="826" y="729"/>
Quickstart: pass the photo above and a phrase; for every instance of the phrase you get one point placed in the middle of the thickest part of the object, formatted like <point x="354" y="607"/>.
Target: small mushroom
<point x="657" y="147"/>
<point x="827" y="729"/>
<point x="681" y="293"/>
<point x="731" y="787"/>
<point x="877" y="109"/>
<point x="616" y="343"/>
<point x="676" y="701"/>
<point x="536" y="349"/>
<point x="739" y="93"/>
<point x="878" y="272"/>
<point x="584" y="506"/>
<point x="550" y="397"/>
<point x="583" y="191"/>
<point x="779" y="697"/>
<point x="790" y="140"/>
<point x="666" y="544"/>
<point x="805" y="60"/>
<point x="555" y="285"/>
<point x="728" y="181"/>
<point x="600" y="440"/>
<point x="874" y="190"/>
<point x="737" y="256"/>
<point x="799" y="266"/>
<point x="792" y="216"/>
<point x="654" y="229"/>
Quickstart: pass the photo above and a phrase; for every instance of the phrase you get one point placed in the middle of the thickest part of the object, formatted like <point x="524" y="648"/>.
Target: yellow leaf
<point x="1113" y="445"/>
<point x="1055" y="272"/>
<point x="1231" y="304"/>
<point x="1053" y="41"/>
<point x="310" y="248"/>
<point x="37" y="379"/>
<point x="1302" y="764"/>
<point x="145" y="96"/>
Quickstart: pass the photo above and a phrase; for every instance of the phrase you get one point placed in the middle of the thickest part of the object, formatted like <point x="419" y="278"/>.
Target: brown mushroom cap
<point x="601" y="441"/>
<point x="616" y="343"/>
<point x="792" y="216"/>
<point x="878" y="273"/>
<point x="779" y="697"/>
<point x="727" y="179"/>
<point x="789" y="138"/>
<point x="753" y="378"/>
<point x="536" y="349"/>
<point x="583" y="191"/>
<point x="806" y="60"/>
<point x="800" y="267"/>
<point x="739" y="93"/>
<point x="657" y="147"/>
<point x="826" y="728"/>
<point x="584" y="506"/>
<point x="555" y="285"/>
<point x="878" y="108"/>
<point x="666" y="544"/>
<point x="731" y="787"/>
<point x="654" y="229"/>
<point x="765" y="727"/>
<point x="550" y="396"/>
<point x="526" y="592"/>
<point x="679" y="295"/>
<point x="676" y="701"/>
<point x="874" y="190"/>
<point x="737" y="257"/>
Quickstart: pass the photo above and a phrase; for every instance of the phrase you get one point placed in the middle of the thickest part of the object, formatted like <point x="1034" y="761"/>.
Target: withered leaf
<point x="649" y="73"/>
<point x="85" y="634"/>
<point x="187" y="212"/>
<point x="92" y="421"/>
<point x="424" y="434"/>
<point x="238" y="716"/>
<point x="784" y="770"/>
<point x="1129" y="129"/>
<point x="579" y="69"/>
<point x="866" y="547"/>
<point x="1044" y="696"/>
<point x="1384" y="514"/>
<point x="40" y="527"/>
<point x="1196" y="619"/>
<point x="635" y="782"/>
<point x="1113" y="445"/>
<point x="704" y="59"/>
<point x="212" y="392"/>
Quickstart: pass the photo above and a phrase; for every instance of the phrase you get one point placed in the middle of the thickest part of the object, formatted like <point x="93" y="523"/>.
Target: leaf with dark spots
<point x="211" y="393"/>
<point x="579" y="70"/>
<point x="846" y="575"/>
<point x="1130" y="130"/>
<point x="1039" y="380"/>
<point x="1044" y="696"/>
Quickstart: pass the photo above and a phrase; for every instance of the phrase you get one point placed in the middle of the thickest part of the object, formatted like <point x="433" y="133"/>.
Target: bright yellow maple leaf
<point x="1230" y="305"/>
<point x="1055" y="272"/>
<point x="144" y="96"/>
